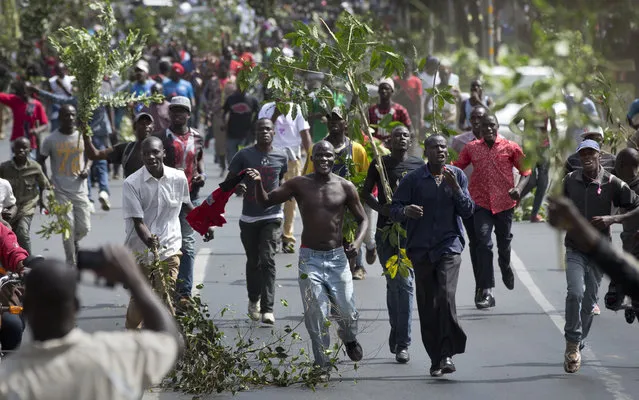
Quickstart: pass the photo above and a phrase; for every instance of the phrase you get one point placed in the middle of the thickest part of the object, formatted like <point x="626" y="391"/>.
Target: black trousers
<point x="436" y="285"/>
<point x="485" y="222"/>
<point x="469" y="226"/>
<point x="260" y="241"/>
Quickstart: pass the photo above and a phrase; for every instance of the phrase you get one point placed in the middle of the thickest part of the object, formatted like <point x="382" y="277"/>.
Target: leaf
<point x="391" y="266"/>
<point x="303" y="276"/>
<point x="284" y="302"/>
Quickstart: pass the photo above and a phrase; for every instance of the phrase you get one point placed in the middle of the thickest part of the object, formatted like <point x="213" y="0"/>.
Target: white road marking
<point x="199" y="267"/>
<point x="611" y="380"/>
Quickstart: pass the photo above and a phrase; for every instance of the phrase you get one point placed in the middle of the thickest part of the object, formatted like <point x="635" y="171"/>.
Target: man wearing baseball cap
<point x="386" y="106"/>
<point x="606" y="160"/>
<point x="176" y="86"/>
<point x="127" y="154"/>
<point x="595" y="192"/>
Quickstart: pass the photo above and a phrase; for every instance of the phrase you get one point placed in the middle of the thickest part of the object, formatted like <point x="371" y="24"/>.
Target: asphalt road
<point x="514" y="351"/>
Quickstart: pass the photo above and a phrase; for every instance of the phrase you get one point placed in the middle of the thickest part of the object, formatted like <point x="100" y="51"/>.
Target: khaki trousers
<point x="294" y="169"/>
<point x="165" y="291"/>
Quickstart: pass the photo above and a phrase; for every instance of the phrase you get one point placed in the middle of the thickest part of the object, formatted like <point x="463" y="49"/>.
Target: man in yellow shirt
<point x="347" y="151"/>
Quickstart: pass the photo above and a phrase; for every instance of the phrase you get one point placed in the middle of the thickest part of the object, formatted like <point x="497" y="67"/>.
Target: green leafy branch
<point x="59" y="219"/>
<point x="91" y="57"/>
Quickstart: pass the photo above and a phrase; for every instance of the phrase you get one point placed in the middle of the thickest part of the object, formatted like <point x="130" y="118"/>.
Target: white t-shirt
<point x="98" y="366"/>
<point x="7" y="199"/>
<point x="158" y="202"/>
<point x="287" y="130"/>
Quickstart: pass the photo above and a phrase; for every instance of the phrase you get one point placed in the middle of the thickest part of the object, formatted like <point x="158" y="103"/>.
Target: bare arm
<point x="367" y="192"/>
<point x="355" y="207"/>
<point x="143" y="232"/>
<point x="277" y="196"/>
<point x="92" y="153"/>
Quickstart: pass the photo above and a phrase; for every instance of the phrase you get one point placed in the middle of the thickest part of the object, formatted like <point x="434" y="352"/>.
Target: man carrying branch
<point x="323" y="198"/>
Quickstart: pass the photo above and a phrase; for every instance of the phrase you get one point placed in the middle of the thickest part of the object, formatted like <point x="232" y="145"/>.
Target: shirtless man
<point x="323" y="198"/>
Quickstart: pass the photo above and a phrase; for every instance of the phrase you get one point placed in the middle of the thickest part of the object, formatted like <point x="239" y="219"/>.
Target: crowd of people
<point x="260" y="152"/>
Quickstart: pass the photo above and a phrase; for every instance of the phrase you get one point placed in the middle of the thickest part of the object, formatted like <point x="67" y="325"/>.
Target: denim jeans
<point x="184" y="284"/>
<point x="485" y="221"/>
<point x="232" y="146"/>
<point x="11" y="332"/>
<point x="99" y="167"/>
<point x="399" y="298"/>
<point x="260" y="244"/>
<point x="324" y="278"/>
<point x="540" y="180"/>
<point x="583" y="279"/>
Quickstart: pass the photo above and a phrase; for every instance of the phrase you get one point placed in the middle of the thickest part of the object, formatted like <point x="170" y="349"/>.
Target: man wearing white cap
<point x="595" y="192"/>
<point x="607" y="160"/>
<point x="290" y="135"/>
<point x="386" y="106"/>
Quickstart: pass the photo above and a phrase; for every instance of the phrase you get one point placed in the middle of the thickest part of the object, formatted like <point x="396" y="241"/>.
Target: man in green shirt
<point x="27" y="181"/>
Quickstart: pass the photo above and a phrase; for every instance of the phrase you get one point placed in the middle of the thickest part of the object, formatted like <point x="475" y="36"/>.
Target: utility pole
<point x="491" y="31"/>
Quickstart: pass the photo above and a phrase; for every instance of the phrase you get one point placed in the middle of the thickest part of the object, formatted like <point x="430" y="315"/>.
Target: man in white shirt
<point x="152" y="201"/>
<point x="8" y="207"/>
<point x="290" y="135"/>
<point x="64" y="362"/>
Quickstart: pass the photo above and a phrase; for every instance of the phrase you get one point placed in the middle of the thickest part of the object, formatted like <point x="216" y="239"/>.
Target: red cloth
<point x="177" y="67"/>
<point x="29" y="113"/>
<point x="492" y="176"/>
<point x="10" y="251"/>
<point x="235" y="66"/>
<point x="210" y="212"/>
<point x="412" y="87"/>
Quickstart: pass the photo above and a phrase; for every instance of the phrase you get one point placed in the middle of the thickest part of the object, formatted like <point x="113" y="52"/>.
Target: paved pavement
<point x="514" y="350"/>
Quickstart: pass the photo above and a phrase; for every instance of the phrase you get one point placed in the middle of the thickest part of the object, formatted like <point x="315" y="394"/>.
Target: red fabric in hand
<point x="210" y="212"/>
<point x="10" y="251"/>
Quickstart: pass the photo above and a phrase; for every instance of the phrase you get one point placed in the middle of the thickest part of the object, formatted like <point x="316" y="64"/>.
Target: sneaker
<point x="536" y="218"/>
<point x="91" y="208"/>
<point x="354" y="351"/>
<point x="116" y="177"/>
<point x="268" y="318"/>
<point x="371" y="256"/>
<point x="103" y="197"/>
<point x="359" y="273"/>
<point x="572" y="357"/>
<point x="402" y="356"/>
<point x="596" y="310"/>
<point x="254" y="310"/>
<point x="288" y="248"/>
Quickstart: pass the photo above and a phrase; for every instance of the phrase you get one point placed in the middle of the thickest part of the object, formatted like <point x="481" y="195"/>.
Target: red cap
<point x="177" y="67"/>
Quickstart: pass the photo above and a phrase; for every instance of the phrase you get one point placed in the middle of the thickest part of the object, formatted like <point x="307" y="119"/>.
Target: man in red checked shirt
<point x="29" y="116"/>
<point x="386" y="106"/>
<point x="493" y="189"/>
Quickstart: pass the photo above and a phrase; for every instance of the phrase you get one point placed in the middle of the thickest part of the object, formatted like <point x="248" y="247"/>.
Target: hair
<point x="164" y="67"/>
<point x="152" y="139"/>
<point x="432" y="137"/>
<point x="627" y="156"/>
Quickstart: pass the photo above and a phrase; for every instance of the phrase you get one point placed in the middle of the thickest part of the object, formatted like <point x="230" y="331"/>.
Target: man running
<point x="325" y="277"/>
<point x="432" y="200"/>
<point x="458" y="143"/>
<point x="594" y="192"/>
<point x="348" y="152"/>
<point x="69" y="174"/>
<point x="260" y="227"/>
<point x="399" y="290"/>
<point x="495" y="194"/>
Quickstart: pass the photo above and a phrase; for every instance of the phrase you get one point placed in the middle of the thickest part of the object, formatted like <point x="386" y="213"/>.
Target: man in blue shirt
<point x="176" y="86"/>
<point x="432" y="200"/>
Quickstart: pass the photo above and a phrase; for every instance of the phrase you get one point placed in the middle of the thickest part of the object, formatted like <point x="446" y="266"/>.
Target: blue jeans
<point x="399" y="298"/>
<point x="232" y="145"/>
<point x="583" y="279"/>
<point x="325" y="277"/>
<point x="185" y="275"/>
<point x="99" y="167"/>
<point x="11" y="332"/>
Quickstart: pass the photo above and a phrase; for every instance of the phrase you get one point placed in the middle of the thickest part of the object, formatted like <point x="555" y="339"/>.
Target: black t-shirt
<point x="243" y="110"/>
<point x="129" y="155"/>
<point x="395" y="171"/>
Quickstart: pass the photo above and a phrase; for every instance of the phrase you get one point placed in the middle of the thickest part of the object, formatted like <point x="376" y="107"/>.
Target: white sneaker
<point x="268" y="318"/>
<point x="254" y="310"/>
<point x="103" y="197"/>
<point x="91" y="208"/>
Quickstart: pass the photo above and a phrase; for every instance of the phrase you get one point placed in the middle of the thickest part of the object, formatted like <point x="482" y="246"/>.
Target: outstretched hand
<point x="253" y="174"/>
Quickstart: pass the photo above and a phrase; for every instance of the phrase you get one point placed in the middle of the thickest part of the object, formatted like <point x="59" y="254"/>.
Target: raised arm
<point x="277" y="196"/>
<point x="92" y="153"/>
